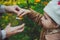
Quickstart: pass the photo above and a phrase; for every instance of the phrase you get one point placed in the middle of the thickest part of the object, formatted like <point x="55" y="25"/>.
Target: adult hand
<point x="13" y="30"/>
<point x="16" y="9"/>
<point x="13" y="9"/>
<point x="23" y="12"/>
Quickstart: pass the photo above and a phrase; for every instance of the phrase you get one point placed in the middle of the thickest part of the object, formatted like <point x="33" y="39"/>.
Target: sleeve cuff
<point x="2" y="9"/>
<point x="3" y="34"/>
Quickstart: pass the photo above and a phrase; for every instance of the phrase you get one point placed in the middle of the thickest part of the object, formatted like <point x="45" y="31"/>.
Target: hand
<point x="13" y="30"/>
<point x="47" y="22"/>
<point x="16" y="9"/>
<point x="13" y="9"/>
<point x="23" y="12"/>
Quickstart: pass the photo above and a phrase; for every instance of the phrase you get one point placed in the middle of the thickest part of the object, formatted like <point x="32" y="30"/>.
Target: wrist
<point x="5" y="8"/>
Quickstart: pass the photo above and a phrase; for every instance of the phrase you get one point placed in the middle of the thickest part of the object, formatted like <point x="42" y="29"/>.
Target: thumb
<point x="9" y="25"/>
<point x="15" y="11"/>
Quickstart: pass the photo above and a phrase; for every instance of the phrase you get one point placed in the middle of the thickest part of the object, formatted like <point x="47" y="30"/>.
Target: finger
<point x="17" y="31"/>
<point x="15" y="11"/>
<point x="19" y="27"/>
<point x="20" y="30"/>
<point x="17" y="6"/>
<point x="26" y="12"/>
<point x="20" y="12"/>
<point x="9" y="25"/>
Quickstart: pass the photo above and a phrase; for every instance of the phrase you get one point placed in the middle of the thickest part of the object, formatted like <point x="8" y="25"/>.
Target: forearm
<point x="36" y="17"/>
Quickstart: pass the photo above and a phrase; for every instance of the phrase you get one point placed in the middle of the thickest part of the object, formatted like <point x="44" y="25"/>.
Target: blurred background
<point x="32" y="30"/>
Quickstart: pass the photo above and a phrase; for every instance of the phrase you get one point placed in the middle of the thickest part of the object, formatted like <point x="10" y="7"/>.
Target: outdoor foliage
<point x="32" y="30"/>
